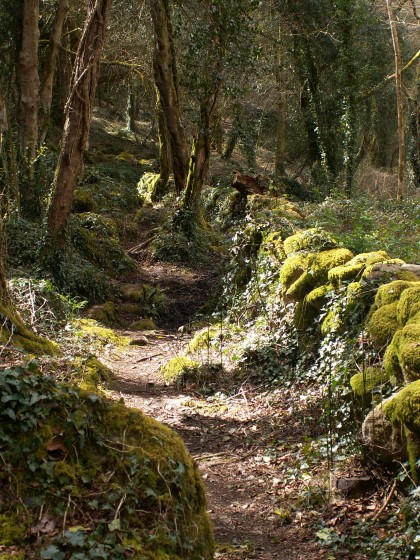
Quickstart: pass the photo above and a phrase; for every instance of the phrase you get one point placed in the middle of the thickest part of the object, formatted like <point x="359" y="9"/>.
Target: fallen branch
<point x="386" y="502"/>
<point x="138" y="248"/>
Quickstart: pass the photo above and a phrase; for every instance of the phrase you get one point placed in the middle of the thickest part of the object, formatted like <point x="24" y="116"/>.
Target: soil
<point x="243" y="438"/>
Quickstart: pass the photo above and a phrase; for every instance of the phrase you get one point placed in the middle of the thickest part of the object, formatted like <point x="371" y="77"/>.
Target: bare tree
<point x="78" y="119"/>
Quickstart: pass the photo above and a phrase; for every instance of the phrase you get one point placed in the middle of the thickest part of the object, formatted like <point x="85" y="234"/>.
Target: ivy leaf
<point x="52" y="553"/>
<point x="115" y="525"/>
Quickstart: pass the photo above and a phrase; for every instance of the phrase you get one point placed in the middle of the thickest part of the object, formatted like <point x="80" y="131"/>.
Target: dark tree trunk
<point x="78" y="119"/>
<point x="166" y="79"/>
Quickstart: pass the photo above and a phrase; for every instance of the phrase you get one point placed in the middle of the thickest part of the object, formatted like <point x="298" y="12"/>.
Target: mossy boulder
<point x="353" y="298"/>
<point x="104" y="313"/>
<point x="409" y="304"/>
<point x="143" y="325"/>
<point x="304" y="315"/>
<point x="134" y="489"/>
<point x="391" y="292"/>
<point x="389" y="270"/>
<point x="292" y="269"/>
<point x="93" y="373"/>
<point x="355" y="267"/>
<point x="82" y="202"/>
<point x="383" y="324"/>
<point x="177" y="368"/>
<point x="404" y="408"/>
<point x="315" y="239"/>
<point x="402" y="357"/>
<point x="364" y="382"/>
<point x="202" y="339"/>
<point x="319" y="296"/>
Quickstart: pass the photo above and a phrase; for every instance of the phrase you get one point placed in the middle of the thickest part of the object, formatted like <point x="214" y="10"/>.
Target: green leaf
<point x="115" y="525"/>
<point x="52" y="553"/>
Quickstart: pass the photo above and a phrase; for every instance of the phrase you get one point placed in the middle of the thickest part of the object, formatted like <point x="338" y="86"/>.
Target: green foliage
<point x="63" y="446"/>
<point x="364" y="225"/>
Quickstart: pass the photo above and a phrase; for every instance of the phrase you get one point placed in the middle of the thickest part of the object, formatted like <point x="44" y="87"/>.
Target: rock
<point x="383" y="437"/>
<point x="140" y="341"/>
<point x="143" y="325"/>
<point x="104" y="313"/>
<point x="351" y="487"/>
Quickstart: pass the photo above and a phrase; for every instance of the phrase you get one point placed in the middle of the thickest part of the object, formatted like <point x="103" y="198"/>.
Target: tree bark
<point x="27" y="111"/>
<point x="200" y="154"/>
<point x="400" y="105"/>
<point x="78" y="119"/>
<point x="48" y="69"/>
<point x="166" y="80"/>
<point x="279" y="164"/>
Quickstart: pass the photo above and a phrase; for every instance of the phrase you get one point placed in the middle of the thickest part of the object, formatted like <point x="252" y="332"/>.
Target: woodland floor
<point x="247" y="440"/>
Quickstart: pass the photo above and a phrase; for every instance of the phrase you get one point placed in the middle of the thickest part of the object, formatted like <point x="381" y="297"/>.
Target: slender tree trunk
<point x="48" y="70"/>
<point x="200" y="154"/>
<point x="28" y="104"/>
<point x="279" y="164"/>
<point x="400" y="105"/>
<point x="78" y="119"/>
<point x="165" y="162"/>
<point x="166" y="79"/>
<point x="3" y="122"/>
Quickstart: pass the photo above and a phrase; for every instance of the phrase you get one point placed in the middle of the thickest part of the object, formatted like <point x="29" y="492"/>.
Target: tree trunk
<point x="78" y="119"/>
<point x="165" y="73"/>
<point x="200" y="155"/>
<point x="400" y="105"/>
<point x="28" y="104"/>
<point x="279" y="164"/>
<point x="48" y="70"/>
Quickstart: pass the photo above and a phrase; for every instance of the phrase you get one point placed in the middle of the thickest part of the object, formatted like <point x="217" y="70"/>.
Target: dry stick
<point x="148" y="357"/>
<point x="386" y="502"/>
<point x="138" y="248"/>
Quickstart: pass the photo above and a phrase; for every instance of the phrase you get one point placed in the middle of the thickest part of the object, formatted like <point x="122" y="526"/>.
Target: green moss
<point x="326" y="260"/>
<point x="383" y="324"/>
<point x="408" y="351"/>
<point x="93" y="373"/>
<point x="115" y="457"/>
<point x="177" y="367"/>
<point x="391" y="362"/>
<point x="369" y="258"/>
<point x="143" y="325"/>
<point x="336" y="319"/>
<point x="340" y="274"/>
<point x="319" y="296"/>
<point x="202" y="339"/>
<point x="82" y="202"/>
<point x="314" y="239"/>
<point x="12" y="529"/>
<point x="409" y="304"/>
<point x="292" y="269"/>
<point x="302" y="286"/>
<point x="274" y="243"/>
<point x="13" y="331"/>
<point x="104" y="313"/>
<point x="100" y="334"/>
<point x="363" y="383"/>
<point x="404" y="407"/>
<point x="391" y="292"/>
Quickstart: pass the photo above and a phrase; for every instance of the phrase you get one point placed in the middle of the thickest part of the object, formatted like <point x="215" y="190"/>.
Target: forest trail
<point x="243" y="438"/>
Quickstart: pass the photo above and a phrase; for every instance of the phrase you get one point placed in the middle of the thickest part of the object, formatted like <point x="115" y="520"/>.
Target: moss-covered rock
<point x="404" y="408"/>
<point x="409" y="304"/>
<point x="391" y="292"/>
<point x="143" y="325"/>
<point x="101" y="335"/>
<point x="408" y="351"/>
<point x="292" y="269"/>
<point x="104" y="313"/>
<point x="304" y="315"/>
<point x="364" y="382"/>
<point x="383" y="324"/>
<point x="337" y="317"/>
<point x="93" y="373"/>
<point x="127" y="475"/>
<point x="82" y="202"/>
<point x="309" y="240"/>
<point x="177" y="368"/>
<point x="319" y="296"/>
<point x="202" y="339"/>
<point x="391" y="362"/>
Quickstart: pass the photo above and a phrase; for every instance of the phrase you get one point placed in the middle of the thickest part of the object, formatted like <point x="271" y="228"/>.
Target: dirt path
<point x="244" y="439"/>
